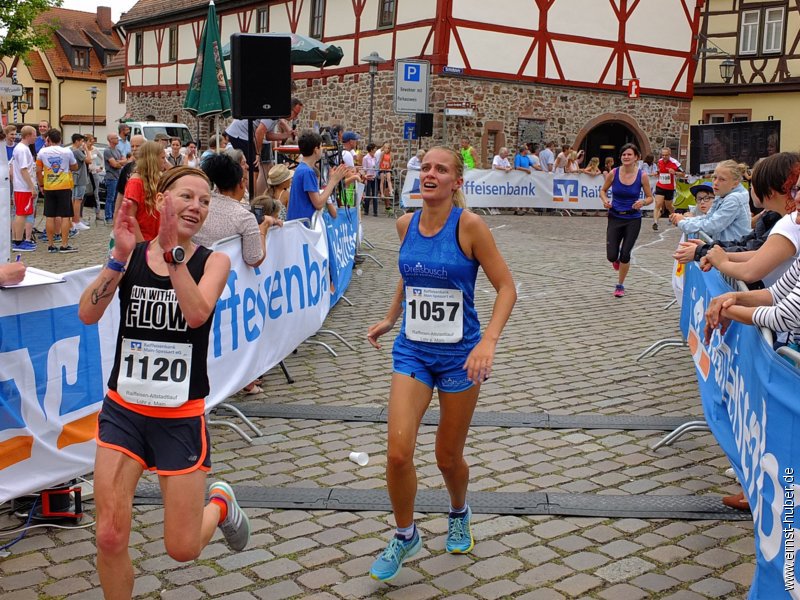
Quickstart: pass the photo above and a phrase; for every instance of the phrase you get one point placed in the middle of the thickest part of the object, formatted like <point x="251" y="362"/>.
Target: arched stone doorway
<point x="603" y="136"/>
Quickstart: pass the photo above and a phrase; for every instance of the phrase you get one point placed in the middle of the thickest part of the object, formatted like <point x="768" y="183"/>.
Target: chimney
<point x="104" y="18"/>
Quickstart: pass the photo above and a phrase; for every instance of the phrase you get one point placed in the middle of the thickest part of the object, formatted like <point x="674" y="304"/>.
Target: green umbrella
<point x="208" y="91"/>
<point x="305" y="51"/>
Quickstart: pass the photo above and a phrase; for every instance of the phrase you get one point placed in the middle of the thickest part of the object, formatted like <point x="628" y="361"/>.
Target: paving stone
<point x="359" y="587"/>
<point x="685" y="572"/>
<point x="240" y="560"/>
<point x="454" y="581"/>
<point x="668" y="554"/>
<point x="713" y="587"/>
<point x="186" y="592"/>
<point x="717" y="557"/>
<point x="620" y="548"/>
<point x="571" y="543"/>
<point x="578" y="584"/>
<point x="553" y="529"/>
<point x="502" y="588"/>
<point x="542" y="594"/>
<point x="225" y="584"/>
<point x="443" y="563"/>
<point x="22" y="580"/>
<point x="623" y="591"/>
<point x="543" y="574"/>
<point x="584" y="561"/>
<point x="276" y="568"/>
<point x="498" y="566"/>
<point x="623" y="569"/>
<point x="279" y="591"/>
<point x="321" y="578"/>
<point x="33" y="560"/>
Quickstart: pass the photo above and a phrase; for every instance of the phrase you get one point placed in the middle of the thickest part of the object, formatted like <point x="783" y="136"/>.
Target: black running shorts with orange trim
<point x="167" y="446"/>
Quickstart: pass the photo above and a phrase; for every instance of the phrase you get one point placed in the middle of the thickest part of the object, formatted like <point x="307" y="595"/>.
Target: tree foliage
<point x="18" y="34"/>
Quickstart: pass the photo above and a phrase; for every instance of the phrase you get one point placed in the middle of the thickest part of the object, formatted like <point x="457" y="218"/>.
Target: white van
<point x="149" y="129"/>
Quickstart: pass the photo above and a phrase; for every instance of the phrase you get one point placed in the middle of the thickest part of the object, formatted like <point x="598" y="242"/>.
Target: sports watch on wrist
<point x="176" y="256"/>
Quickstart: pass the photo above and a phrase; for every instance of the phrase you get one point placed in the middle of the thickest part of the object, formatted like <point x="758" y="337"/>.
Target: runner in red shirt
<point x="668" y="170"/>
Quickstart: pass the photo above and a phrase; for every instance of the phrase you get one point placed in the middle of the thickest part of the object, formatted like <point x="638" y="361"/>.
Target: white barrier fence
<point x="516" y="189"/>
<point x="53" y="368"/>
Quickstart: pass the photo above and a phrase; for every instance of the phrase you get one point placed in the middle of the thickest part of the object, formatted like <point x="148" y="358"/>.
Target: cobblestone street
<point x="568" y="349"/>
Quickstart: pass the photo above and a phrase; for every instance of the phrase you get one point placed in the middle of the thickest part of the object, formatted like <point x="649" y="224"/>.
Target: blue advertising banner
<point x="342" y="242"/>
<point x="749" y="396"/>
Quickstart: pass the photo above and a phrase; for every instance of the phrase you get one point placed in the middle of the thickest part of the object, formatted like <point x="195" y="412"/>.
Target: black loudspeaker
<point x="424" y="125"/>
<point x="261" y="73"/>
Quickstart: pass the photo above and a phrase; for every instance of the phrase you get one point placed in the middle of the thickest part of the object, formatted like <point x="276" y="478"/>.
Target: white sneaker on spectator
<point x="81" y="226"/>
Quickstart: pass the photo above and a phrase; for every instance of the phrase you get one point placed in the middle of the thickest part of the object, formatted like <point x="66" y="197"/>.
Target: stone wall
<point x="567" y="113"/>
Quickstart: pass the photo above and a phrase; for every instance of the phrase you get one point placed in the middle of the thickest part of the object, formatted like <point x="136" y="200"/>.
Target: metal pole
<point x="93" y="101"/>
<point x="16" y="98"/>
<point x="371" y="101"/>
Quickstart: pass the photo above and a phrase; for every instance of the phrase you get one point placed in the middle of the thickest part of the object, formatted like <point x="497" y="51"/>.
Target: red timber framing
<point x="542" y="47"/>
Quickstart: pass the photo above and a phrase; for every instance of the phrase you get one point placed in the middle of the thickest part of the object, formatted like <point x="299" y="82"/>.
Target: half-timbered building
<point x="761" y="43"/>
<point x="528" y="70"/>
<point x="57" y="79"/>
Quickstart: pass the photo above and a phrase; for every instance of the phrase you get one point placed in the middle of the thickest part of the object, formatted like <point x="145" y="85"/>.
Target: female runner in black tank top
<point x="137" y="428"/>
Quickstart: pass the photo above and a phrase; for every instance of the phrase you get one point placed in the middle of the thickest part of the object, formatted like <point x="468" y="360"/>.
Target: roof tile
<point x="145" y="10"/>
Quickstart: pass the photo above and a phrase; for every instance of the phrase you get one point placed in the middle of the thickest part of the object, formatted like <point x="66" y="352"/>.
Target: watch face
<point x="178" y="254"/>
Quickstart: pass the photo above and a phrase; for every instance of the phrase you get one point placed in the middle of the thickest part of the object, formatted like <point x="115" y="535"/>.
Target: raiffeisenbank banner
<point x="749" y="398"/>
<point x="54" y="369"/>
<point x="516" y="189"/>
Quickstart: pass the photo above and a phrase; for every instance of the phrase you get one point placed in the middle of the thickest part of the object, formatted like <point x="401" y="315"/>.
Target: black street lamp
<point x="22" y="105"/>
<point x="374" y="59"/>
<point x="726" y="69"/>
<point x="93" y="91"/>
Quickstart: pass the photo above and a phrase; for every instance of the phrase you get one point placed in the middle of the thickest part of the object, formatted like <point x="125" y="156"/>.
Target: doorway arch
<point x="604" y="136"/>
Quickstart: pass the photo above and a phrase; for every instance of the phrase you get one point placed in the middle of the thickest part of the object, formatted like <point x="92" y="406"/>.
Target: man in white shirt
<point x="501" y="162"/>
<point x="415" y="163"/>
<point x="547" y="158"/>
<point x="23" y="169"/>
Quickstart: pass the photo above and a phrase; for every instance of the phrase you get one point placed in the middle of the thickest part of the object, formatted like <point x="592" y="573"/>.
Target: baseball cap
<point x="350" y="136"/>
<point x="701" y="187"/>
<point x="161" y="136"/>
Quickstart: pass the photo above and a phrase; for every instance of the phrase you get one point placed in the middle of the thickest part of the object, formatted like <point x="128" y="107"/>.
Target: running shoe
<point x="57" y="237"/>
<point x="24" y="246"/>
<point x="73" y="232"/>
<point x="81" y="226"/>
<point x="459" y="534"/>
<point x="619" y="291"/>
<point x="615" y="264"/>
<point x="655" y="226"/>
<point x="67" y="249"/>
<point x="52" y="250"/>
<point x="388" y="564"/>
<point x="236" y="526"/>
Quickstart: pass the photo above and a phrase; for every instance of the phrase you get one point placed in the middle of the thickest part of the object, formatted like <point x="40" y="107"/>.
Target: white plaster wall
<point x="230" y="25"/>
<point x="409" y="11"/>
<point x="186" y="47"/>
<point x="278" y="18"/>
<point x="491" y="51"/>
<point x="659" y="75"/>
<point x="580" y="62"/>
<point x="512" y="13"/>
<point x="588" y="18"/>
<point x="149" y="50"/>
<point x="410" y="41"/>
<point x="115" y="106"/>
<point x="652" y="24"/>
<point x="150" y="76"/>
<point x="340" y="20"/>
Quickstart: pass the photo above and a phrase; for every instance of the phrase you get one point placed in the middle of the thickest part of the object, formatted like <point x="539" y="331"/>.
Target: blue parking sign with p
<point x="412" y="72"/>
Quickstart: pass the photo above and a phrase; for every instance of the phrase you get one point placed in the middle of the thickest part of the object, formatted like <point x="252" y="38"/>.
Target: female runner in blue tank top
<point x="439" y="345"/>
<point x="624" y="211"/>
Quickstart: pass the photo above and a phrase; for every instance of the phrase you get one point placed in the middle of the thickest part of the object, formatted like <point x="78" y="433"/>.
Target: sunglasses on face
<point x="704" y="198"/>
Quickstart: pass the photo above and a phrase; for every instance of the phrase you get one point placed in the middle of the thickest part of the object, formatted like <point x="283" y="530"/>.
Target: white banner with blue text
<point x="54" y="369"/>
<point x="517" y="189"/>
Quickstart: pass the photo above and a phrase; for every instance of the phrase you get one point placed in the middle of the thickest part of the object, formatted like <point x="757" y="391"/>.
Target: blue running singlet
<point x="439" y="281"/>
<point x="624" y="196"/>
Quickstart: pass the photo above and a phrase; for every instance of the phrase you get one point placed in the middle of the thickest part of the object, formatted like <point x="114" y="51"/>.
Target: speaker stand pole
<point x="250" y="160"/>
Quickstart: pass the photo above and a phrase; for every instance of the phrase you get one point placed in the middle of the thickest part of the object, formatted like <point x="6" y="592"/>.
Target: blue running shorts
<point x="442" y="370"/>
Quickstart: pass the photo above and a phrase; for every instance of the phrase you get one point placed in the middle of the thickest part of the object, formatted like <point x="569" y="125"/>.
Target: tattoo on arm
<point x="102" y="291"/>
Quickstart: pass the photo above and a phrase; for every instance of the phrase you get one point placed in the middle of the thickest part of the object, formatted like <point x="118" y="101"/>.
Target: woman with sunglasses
<point x="768" y="251"/>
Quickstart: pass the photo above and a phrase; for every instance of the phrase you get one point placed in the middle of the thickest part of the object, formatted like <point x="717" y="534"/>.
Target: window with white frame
<point x="121" y="96"/>
<point x="773" y="30"/>
<point x="44" y="98"/>
<point x="748" y="37"/>
<point x="317" y="18"/>
<point x="761" y="31"/>
<point x="81" y="58"/>
<point x="262" y="20"/>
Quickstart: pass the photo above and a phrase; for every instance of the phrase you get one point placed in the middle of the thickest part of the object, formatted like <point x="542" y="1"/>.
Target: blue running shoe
<point x="388" y="564"/>
<point x="459" y="534"/>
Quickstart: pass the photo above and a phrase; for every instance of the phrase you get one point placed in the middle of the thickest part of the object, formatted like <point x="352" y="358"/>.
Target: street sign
<point x="410" y="130"/>
<point x="411" y="86"/>
<point x="633" y="88"/>
<point x="10" y="89"/>
<point x="453" y="70"/>
<point x="459" y="109"/>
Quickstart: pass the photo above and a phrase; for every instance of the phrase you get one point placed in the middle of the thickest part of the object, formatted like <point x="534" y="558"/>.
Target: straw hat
<point x="278" y="174"/>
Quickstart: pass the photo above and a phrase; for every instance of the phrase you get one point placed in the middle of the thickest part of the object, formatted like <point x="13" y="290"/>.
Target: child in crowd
<point x="593" y="168"/>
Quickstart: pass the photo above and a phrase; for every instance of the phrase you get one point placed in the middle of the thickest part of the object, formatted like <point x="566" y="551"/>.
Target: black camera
<point x="258" y="211"/>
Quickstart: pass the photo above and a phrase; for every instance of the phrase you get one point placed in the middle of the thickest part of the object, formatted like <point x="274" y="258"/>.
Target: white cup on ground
<point x="360" y="458"/>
